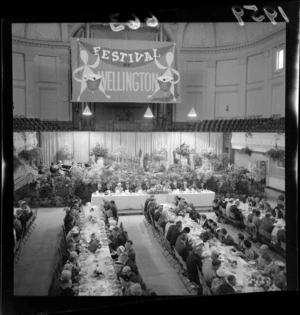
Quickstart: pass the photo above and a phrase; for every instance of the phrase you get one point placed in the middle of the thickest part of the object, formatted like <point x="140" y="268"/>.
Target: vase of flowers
<point x="100" y="153"/>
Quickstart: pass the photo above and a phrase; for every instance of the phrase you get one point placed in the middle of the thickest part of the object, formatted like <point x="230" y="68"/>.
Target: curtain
<point x="49" y="147"/>
<point x="82" y="142"/>
<point x="202" y="141"/>
<point x="112" y="141"/>
<point x="216" y="141"/>
<point x="143" y="142"/>
<point x="81" y="146"/>
<point x="128" y="141"/>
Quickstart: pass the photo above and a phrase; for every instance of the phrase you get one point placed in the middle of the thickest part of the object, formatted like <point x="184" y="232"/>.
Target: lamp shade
<point x="192" y="113"/>
<point x="148" y="113"/>
<point x="87" y="111"/>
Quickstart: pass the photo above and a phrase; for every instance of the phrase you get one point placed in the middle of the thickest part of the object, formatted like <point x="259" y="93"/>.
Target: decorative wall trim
<point x="230" y="48"/>
<point x="39" y="43"/>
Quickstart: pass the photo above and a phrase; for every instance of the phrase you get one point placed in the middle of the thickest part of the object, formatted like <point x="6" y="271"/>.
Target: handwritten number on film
<point x="269" y="11"/>
<point x="132" y="24"/>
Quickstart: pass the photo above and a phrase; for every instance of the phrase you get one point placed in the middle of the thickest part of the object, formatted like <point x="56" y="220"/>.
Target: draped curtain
<point x="82" y="142"/>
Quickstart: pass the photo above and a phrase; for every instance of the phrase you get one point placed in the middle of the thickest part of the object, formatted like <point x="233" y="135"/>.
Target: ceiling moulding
<point x="229" y="48"/>
<point x="40" y="43"/>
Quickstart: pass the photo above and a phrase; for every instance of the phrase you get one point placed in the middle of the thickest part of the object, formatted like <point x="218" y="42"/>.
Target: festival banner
<point x="124" y="71"/>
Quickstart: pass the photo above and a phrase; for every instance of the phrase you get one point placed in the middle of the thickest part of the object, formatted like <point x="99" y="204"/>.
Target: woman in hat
<point x="115" y="254"/>
<point x="219" y="280"/>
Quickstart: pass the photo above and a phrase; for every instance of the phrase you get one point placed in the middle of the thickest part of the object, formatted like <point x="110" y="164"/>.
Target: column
<point x="209" y="108"/>
<point x="31" y="104"/>
<point x="242" y="86"/>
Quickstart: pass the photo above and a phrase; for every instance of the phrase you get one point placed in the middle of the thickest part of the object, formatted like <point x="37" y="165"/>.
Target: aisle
<point x="32" y="274"/>
<point x="156" y="271"/>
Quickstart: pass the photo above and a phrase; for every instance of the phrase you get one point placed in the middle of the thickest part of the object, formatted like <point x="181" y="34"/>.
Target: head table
<point x="134" y="201"/>
<point x="248" y="278"/>
<point x="105" y="284"/>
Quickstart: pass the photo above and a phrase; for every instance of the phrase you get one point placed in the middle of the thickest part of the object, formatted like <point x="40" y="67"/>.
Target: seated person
<point x="117" y="239"/>
<point x="250" y="217"/>
<point x="269" y="264"/>
<point x="214" y="228"/>
<point x="175" y="185"/>
<point x="174" y="232"/>
<point x="266" y="223"/>
<point x="216" y="208"/>
<point x="279" y="275"/>
<point x="158" y="213"/>
<point x="207" y="267"/>
<point x="248" y="252"/>
<point x="71" y="247"/>
<point x="62" y="283"/>
<point x="278" y="213"/>
<point x="119" y="188"/>
<point x="227" y="239"/>
<point x="210" y="274"/>
<point x="163" y="220"/>
<point x="22" y="217"/>
<point x="240" y="242"/>
<point x="263" y="261"/>
<point x="116" y="254"/>
<point x="206" y="235"/>
<point x="193" y="214"/>
<point x="73" y="236"/>
<point x="182" y="247"/>
<point x="132" y="186"/>
<point x="114" y="210"/>
<point x="128" y="275"/>
<point x="128" y="262"/>
<point x="236" y="211"/>
<point x="18" y="227"/>
<point x="268" y="208"/>
<point x="228" y="286"/>
<point x="73" y="261"/>
<point x="130" y="251"/>
<point x="218" y="281"/>
<point x="204" y="222"/>
<point x="194" y="264"/>
<point x="106" y="205"/>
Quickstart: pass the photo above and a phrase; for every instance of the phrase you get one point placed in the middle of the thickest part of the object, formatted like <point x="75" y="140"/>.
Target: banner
<point x="124" y="71"/>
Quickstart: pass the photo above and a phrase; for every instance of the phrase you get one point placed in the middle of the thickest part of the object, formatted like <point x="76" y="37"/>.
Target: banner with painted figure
<point x="124" y="71"/>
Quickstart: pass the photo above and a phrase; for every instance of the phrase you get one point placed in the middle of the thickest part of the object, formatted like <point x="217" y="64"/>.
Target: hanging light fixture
<point x="148" y="113"/>
<point x="192" y="113"/>
<point x="87" y="111"/>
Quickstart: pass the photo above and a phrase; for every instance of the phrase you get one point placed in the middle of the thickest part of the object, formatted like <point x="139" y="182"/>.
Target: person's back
<point x="175" y="233"/>
<point x="169" y="232"/>
<point x="18" y="228"/>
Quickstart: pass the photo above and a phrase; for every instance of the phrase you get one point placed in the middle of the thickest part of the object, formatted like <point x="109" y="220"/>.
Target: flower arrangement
<point x="184" y="150"/>
<point x="254" y="173"/>
<point x="64" y="153"/>
<point x="209" y="153"/>
<point x="158" y="189"/>
<point x="99" y="151"/>
<point x="276" y="154"/>
<point x="246" y="150"/>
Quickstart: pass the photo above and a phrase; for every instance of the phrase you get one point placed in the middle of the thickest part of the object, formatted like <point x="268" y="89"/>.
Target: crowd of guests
<point x="218" y="281"/>
<point x="262" y="221"/>
<point x="121" y="248"/>
<point x="22" y="215"/>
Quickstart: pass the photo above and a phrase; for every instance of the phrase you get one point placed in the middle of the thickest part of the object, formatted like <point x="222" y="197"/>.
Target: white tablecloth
<point x="132" y="201"/>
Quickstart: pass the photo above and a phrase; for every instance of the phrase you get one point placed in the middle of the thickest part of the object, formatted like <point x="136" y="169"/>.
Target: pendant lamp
<point x="192" y="113"/>
<point x="148" y="113"/>
<point x="87" y="111"/>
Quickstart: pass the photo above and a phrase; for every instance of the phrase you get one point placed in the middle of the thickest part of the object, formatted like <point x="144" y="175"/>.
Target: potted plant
<point x="276" y="154"/>
<point x="100" y="153"/>
<point x="246" y="151"/>
<point x="185" y="151"/>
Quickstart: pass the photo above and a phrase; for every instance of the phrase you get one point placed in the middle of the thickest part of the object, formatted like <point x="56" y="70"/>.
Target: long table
<point x="135" y="201"/>
<point x="243" y="271"/>
<point x="101" y="260"/>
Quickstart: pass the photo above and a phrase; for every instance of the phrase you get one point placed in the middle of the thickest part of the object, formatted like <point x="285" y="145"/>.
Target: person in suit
<point x="174" y="232"/>
<point x="266" y="223"/>
<point x="71" y="247"/>
<point x="227" y="239"/>
<point x="182" y="248"/>
<point x="204" y="224"/>
<point x="128" y="262"/>
<point x="18" y="227"/>
<point x="227" y="286"/>
<point x="22" y="217"/>
<point x="194" y="264"/>
<point x="58" y="286"/>
<point x="158" y="213"/>
<point x="130" y="276"/>
<point x="248" y="254"/>
<point x="117" y="239"/>
<point x="130" y="251"/>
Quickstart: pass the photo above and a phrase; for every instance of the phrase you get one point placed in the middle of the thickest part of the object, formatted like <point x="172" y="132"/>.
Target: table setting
<point x="97" y="276"/>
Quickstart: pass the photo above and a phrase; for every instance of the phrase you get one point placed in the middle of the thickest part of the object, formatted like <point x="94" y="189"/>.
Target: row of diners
<point x="219" y="125"/>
